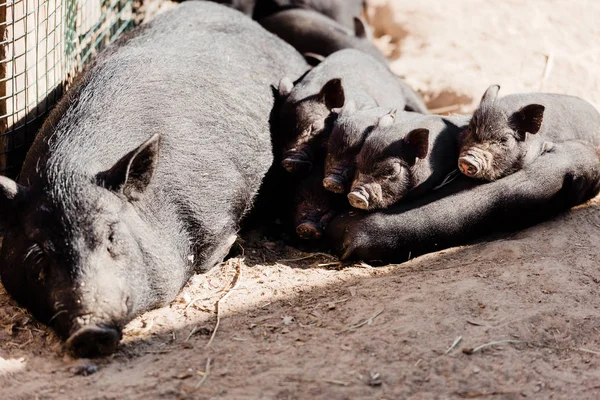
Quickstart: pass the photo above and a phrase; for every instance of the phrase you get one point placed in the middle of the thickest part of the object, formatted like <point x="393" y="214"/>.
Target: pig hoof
<point x="467" y="167"/>
<point x="296" y="165"/>
<point x="357" y="200"/>
<point x="308" y="230"/>
<point x="333" y="185"/>
<point x="93" y="341"/>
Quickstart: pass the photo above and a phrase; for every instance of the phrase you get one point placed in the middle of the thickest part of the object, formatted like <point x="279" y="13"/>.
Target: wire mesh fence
<point x="43" y="44"/>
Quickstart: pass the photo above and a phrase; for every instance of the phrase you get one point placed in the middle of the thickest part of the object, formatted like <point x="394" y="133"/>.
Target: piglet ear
<point x="131" y="175"/>
<point x="332" y="94"/>
<point x="361" y="29"/>
<point x="285" y="86"/>
<point x="388" y="119"/>
<point x="11" y="196"/>
<point x="490" y="95"/>
<point x="529" y="119"/>
<point x="418" y="140"/>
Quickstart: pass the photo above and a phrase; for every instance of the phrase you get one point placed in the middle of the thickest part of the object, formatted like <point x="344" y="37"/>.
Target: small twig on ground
<point x="334" y="382"/>
<point x="205" y="374"/>
<point x="474" y="323"/>
<point x="236" y="282"/>
<point x="454" y="344"/>
<point x="533" y="344"/>
<point x="473" y="395"/>
<point x="495" y="343"/>
<point x="336" y="263"/>
<point x="363" y="323"/>
<point x="312" y="255"/>
<point x="191" y="333"/>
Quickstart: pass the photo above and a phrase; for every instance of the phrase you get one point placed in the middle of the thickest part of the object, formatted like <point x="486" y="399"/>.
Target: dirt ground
<point x="298" y="325"/>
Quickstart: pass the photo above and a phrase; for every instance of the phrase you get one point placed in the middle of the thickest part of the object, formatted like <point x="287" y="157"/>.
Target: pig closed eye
<point x="389" y="172"/>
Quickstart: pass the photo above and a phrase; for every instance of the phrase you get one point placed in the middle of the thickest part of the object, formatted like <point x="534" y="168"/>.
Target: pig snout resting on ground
<point x="311" y="32"/>
<point x="467" y="209"/>
<point x="411" y="155"/>
<point x="312" y="206"/>
<point x="348" y="134"/>
<point x="508" y="132"/>
<point x="306" y="113"/>
<point x="143" y="172"/>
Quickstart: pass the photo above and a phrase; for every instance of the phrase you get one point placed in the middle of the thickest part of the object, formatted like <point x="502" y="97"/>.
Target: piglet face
<point x="495" y="142"/>
<point x="380" y="186"/>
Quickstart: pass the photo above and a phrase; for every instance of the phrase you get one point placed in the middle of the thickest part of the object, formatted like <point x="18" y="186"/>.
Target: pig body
<point x="465" y="209"/>
<point x="143" y="172"/>
<point x="408" y="157"/>
<point x="508" y="132"/>
<point x="311" y="32"/>
<point x="341" y="11"/>
<point x="306" y="113"/>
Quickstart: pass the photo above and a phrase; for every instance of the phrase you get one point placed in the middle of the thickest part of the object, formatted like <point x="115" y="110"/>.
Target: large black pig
<point x="466" y="209"/>
<point x="143" y="172"/>
<point x="311" y="32"/>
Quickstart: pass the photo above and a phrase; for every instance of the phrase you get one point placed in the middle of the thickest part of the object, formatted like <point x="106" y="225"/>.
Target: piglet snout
<point x="359" y="199"/>
<point x="468" y="166"/>
<point x="334" y="184"/>
<point x="308" y="230"/>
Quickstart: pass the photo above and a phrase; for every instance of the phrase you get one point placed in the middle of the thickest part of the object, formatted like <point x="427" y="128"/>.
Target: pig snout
<point x="93" y="341"/>
<point x="359" y="198"/>
<point x="295" y="161"/>
<point x="308" y="230"/>
<point x="469" y="165"/>
<point x="335" y="183"/>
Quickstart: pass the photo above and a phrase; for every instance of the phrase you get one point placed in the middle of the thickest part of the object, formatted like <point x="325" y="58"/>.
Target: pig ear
<point x="490" y="94"/>
<point x="529" y="118"/>
<point x="11" y="195"/>
<point x="332" y="94"/>
<point x="313" y="59"/>
<point x="285" y="86"/>
<point x="361" y="29"/>
<point x="133" y="172"/>
<point x="418" y="139"/>
<point x="388" y="119"/>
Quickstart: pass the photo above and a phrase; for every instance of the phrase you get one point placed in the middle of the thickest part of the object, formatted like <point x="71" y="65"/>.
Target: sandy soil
<point x="298" y="325"/>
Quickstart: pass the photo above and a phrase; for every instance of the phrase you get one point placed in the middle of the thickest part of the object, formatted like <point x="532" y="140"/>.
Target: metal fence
<point x="43" y="44"/>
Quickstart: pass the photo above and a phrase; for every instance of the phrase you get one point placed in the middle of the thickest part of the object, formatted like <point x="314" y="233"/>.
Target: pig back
<point x="201" y="76"/>
<point x="565" y="117"/>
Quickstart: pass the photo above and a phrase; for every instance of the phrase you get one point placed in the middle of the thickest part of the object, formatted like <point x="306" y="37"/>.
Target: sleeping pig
<point x="507" y="133"/>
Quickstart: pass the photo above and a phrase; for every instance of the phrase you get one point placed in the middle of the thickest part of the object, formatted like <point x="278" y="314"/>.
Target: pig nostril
<point x="467" y="167"/>
<point x="308" y="230"/>
<point x="333" y="184"/>
<point x="358" y="200"/>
